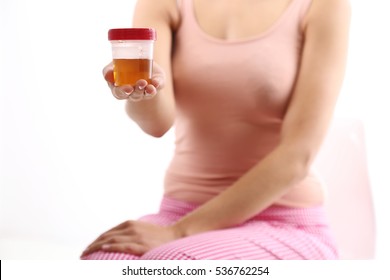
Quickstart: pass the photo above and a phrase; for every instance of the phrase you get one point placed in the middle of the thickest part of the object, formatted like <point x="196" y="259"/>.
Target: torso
<point x="231" y="101"/>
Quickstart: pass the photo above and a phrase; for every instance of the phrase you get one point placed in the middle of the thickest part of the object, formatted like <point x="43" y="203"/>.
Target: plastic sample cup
<point x="132" y="54"/>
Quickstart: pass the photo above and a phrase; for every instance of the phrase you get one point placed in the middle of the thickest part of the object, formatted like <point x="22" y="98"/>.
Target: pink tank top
<point x="231" y="98"/>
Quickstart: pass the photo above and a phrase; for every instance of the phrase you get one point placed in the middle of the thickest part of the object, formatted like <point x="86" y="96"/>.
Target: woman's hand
<point x="141" y="91"/>
<point x="133" y="237"/>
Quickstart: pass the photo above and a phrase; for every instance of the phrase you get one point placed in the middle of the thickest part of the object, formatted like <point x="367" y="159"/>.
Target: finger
<point x="122" y="92"/>
<point x="124" y="228"/>
<point x="140" y="86"/>
<point x="139" y="90"/>
<point x="123" y="225"/>
<point x="157" y="82"/>
<point x="121" y="229"/>
<point x="150" y="91"/>
<point x="128" y="248"/>
<point x="111" y="85"/>
<point x="117" y="239"/>
<point x="108" y="73"/>
<point x="110" y="236"/>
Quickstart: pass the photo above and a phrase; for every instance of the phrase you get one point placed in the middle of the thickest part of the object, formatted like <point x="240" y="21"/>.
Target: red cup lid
<point x="132" y="34"/>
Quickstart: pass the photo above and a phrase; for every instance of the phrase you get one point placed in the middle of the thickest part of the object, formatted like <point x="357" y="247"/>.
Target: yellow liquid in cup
<point x="129" y="71"/>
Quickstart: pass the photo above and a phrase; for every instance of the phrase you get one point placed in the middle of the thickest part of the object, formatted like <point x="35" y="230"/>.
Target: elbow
<point x="159" y="129"/>
<point x="301" y="170"/>
<point x="302" y="165"/>
<point x="156" y="131"/>
<point x="299" y="162"/>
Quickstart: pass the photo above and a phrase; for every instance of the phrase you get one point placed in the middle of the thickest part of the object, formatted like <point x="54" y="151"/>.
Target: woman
<point x="251" y="86"/>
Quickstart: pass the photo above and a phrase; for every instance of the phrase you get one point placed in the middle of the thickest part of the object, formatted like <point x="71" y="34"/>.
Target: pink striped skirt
<point x="277" y="233"/>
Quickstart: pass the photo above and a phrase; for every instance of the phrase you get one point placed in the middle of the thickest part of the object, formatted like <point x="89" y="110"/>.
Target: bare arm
<point x="303" y="130"/>
<point x="156" y="116"/>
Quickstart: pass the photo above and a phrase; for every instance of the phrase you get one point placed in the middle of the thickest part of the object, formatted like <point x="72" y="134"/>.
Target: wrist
<point x="188" y="226"/>
<point x="179" y="230"/>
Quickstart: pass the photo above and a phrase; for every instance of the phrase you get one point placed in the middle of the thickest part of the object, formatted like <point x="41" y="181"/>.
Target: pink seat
<point x="343" y="166"/>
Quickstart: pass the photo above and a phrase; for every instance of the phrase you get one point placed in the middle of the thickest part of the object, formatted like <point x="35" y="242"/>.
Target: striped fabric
<point x="278" y="233"/>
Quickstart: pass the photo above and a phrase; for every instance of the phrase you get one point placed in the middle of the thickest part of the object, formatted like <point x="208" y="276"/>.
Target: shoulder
<point x="166" y="11"/>
<point x="327" y="12"/>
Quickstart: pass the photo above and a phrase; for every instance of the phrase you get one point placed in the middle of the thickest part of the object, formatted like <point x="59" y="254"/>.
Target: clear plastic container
<point x="132" y="54"/>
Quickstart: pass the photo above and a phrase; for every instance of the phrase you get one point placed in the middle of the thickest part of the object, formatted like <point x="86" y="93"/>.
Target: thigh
<point x="213" y="245"/>
<point x="256" y="241"/>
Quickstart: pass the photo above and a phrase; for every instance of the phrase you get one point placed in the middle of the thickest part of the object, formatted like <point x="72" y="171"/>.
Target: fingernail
<point x="106" y="246"/>
<point x="127" y="90"/>
<point x="157" y="82"/>
<point x="148" y="95"/>
<point x="135" y="96"/>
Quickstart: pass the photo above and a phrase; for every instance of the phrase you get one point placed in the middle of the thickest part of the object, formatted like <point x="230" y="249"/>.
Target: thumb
<point x="108" y="73"/>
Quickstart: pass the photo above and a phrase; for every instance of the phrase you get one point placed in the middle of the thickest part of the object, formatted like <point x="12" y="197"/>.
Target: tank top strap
<point x="303" y="9"/>
<point x="186" y="12"/>
<point x="297" y="10"/>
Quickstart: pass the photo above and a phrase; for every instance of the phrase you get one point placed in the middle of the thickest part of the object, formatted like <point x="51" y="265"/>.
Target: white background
<point x="72" y="164"/>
